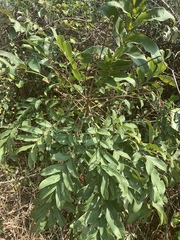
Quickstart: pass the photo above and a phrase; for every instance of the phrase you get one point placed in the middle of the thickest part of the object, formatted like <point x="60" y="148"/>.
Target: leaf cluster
<point x="93" y="120"/>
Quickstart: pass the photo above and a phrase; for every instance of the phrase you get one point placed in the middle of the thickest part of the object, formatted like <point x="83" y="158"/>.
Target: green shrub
<point x="96" y="124"/>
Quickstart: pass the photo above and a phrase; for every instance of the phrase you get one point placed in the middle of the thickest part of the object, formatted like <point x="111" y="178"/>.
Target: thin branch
<point x="167" y="5"/>
<point x="175" y="80"/>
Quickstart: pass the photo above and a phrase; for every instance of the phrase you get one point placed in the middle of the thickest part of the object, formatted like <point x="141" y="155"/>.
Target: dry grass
<point x="16" y="203"/>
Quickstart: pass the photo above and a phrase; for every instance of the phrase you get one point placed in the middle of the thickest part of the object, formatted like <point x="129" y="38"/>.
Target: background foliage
<point x="90" y="101"/>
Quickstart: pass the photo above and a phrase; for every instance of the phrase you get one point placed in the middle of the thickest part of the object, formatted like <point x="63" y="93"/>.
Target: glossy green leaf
<point x="157" y="162"/>
<point x="137" y="57"/>
<point x="159" y="14"/>
<point x="32" y="157"/>
<point x="45" y="192"/>
<point x="121" y="180"/>
<point x="137" y="205"/>
<point x="160" y="212"/>
<point x="119" y="27"/>
<point x="67" y="49"/>
<point x="67" y="181"/>
<point x="59" y="198"/>
<point x="156" y="181"/>
<point x="104" y="156"/>
<point x="167" y="79"/>
<point x="66" y="194"/>
<point x="60" y="42"/>
<point x="103" y="131"/>
<point x="77" y="75"/>
<point x="24" y="148"/>
<point x="92" y="130"/>
<point x="6" y="133"/>
<point x="53" y="169"/>
<point x="95" y="159"/>
<point x="175" y="119"/>
<point x="149" y="167"/>
<point x="2" y="155"/>
<point x="31" y="129"/>
<point x="110" y="159"/>
<point x="121" y="4"/>
<point x="107" y="143"/>
<point x="18" y="27"/>
<point x="13" y="59"/>
<point x="151" y="131"/>
<point x="149" y="45"/>
<point x="112" y="222"/>
<point x="92" y="215"/>
<point x="123" y="154"/>
<point x="109" y="11"/>
<point x="104" y="185"/>
<point x="41" y="212"/>
<point x="126" y="79"/>
<point x="43" y="122"/>
<point x="50" y="180"/>
<point x="72" y="168"/>
<point x="60" y="157"/>
<point x="34" y="64"/>
<point x="87" y="190"/>
<point x="27" y="138"/>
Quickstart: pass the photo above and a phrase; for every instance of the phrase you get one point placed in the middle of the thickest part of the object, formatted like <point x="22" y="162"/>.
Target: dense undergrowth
<point x="90" y="120"/>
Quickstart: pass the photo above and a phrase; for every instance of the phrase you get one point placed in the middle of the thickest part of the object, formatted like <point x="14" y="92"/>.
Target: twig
<point x="175" y="80"/>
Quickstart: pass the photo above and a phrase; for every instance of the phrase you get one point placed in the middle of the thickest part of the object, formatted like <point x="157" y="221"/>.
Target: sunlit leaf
<point x="50" y="180"/>
<point x="157" y="162"/>
<point x="160" y="212"/>
<point x="34" y="64"/>
<point x="2" y="155"/>
<point x="149" y="45"/>
<point x="104" y="185"/>
<point x="167" y="79"/>
<point x="53" y="169"/>
<point x="151" y="131"/>
<point x="67" y="181"/>
<point x="61" y="157"/>
<point x="111" y="219"/>
<point x="137" y="57"/>
<point x="24" y="148"/>
<point x="159" y="14"/>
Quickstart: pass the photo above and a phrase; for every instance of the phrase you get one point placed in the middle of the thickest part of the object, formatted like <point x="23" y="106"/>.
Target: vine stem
<point x="175" y="80"/>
